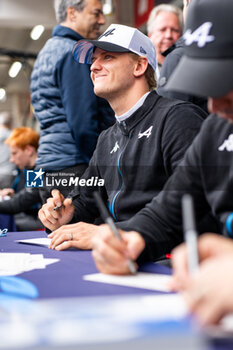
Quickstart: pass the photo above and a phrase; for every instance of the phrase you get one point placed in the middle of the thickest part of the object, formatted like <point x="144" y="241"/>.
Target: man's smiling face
<point x="109" y="71"/>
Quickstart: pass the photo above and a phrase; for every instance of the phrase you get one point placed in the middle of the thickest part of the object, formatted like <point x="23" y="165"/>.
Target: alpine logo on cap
<point x="107" y="33"/>
<point x="200" y="35"/>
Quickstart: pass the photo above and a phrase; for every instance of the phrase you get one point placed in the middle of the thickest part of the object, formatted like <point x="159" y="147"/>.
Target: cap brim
<point x="83" y="49"/>
<point x="202" y="77"/>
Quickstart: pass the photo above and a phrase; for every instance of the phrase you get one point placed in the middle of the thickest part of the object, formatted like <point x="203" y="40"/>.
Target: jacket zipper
<point x="114" y="198"/>
<point x="119" y="170"/>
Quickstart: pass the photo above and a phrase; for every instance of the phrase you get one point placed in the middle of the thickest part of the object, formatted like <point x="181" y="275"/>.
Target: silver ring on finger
<point x="71" y="236"/>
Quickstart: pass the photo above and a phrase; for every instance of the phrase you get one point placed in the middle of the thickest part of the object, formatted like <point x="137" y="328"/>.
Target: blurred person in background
<point x="70" y="115"/>
<point x="172" y="57"/>
<point x="164" y="27"/>
<point x="6" y="167"/>
<point x="22" y="202"/>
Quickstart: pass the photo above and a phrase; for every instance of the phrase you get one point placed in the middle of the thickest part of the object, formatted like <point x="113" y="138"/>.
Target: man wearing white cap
<point x="136" y="156"/>
<point x="206" y="170"/>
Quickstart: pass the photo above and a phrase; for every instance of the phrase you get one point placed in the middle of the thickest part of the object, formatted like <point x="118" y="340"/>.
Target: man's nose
<point x="101" y="19"/>
<point x="168" y="33"/>
<point x="95" y="65"/>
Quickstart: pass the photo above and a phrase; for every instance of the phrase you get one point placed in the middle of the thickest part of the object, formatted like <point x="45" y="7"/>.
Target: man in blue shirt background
<point x="71" y="117"/>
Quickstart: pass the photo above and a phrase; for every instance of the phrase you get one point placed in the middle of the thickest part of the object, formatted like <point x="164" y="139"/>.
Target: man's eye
<point x="97" y="14"/>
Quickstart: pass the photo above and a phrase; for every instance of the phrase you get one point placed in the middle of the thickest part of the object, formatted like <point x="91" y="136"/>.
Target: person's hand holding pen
<point x="208" y="293"/>
<point x="112" y="255"/>
<point x="209" y="246"/>
<point x="119" y="248"/>
<point x="53" y="219"/>
<point x="191" y="263"/>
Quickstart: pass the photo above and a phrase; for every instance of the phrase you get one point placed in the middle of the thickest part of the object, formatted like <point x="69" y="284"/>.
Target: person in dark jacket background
<point x="164" y="27"/>
<point x="71" y="117"/>
<point x="134" y="157"/>
<point x="172" y="57"/>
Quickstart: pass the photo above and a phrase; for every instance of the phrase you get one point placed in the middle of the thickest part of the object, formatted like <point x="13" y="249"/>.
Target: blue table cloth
<point x="7" y="221"/>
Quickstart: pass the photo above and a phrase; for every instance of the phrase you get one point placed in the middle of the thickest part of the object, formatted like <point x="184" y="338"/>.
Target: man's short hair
<point x="149" y="73"/>
<point x="61" y="6"/>
<point x="150" y="77"/>
<point x="163" y="8"/>
<point x="23" y="137"/>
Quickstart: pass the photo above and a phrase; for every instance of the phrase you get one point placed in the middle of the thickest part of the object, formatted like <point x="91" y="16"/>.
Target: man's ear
<point x="30" y="149"/>
<point x="140" y="66"/>
<point x="71" y="14"/>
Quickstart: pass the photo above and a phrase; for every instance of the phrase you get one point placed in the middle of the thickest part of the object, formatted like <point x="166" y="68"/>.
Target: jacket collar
<point x="66" y="32"/>
<point x="127" y="125"/>
<point x="177" y="44"/>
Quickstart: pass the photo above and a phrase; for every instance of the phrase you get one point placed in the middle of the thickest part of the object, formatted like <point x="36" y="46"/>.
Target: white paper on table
<point x="49" y="261"/>
<point x="12" y="264"/>
<point x="45" y="241"/>
<point x="36" y="261"/>
<point x="143" y="280"/>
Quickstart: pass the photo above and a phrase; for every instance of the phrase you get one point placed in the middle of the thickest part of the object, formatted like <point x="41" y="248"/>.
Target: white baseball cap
<point x="117" y="38"/>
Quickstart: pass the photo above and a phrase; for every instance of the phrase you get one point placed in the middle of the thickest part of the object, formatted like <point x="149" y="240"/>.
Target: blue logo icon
<point x="35" y="178"/>
<point x="142" y="50"/>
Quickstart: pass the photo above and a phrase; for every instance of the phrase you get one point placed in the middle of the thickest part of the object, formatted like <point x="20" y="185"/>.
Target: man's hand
<point x="53" y="219"/>
<point x="111" y="255"/>
<point x="7" y="192"/>
<point x="81" y="234"/>
<point x="207" y="293"/>
<point x="209" y="246"/>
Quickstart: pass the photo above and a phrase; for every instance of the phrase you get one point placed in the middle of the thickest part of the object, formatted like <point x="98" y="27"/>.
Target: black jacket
<point x="27" y="200"/>
<point x="24" y="205"/>
<point x="136" y="157"/>
<point x="206" y="172"/>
